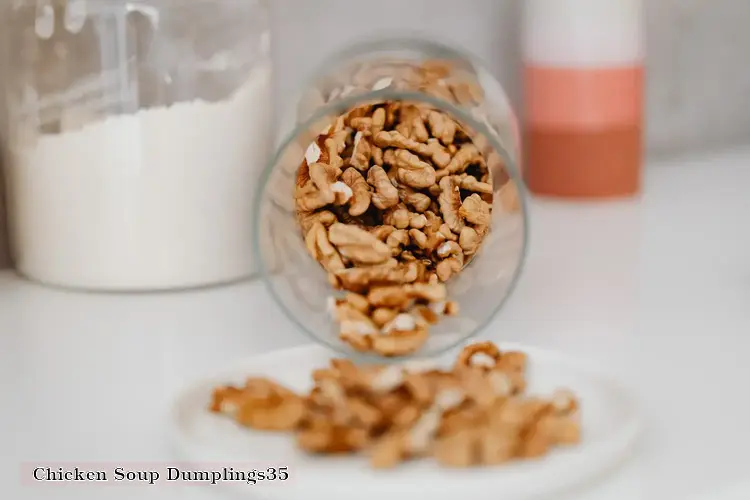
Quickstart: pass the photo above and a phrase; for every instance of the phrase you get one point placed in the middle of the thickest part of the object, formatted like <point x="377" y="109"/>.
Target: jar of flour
<point x="137" y="132"/>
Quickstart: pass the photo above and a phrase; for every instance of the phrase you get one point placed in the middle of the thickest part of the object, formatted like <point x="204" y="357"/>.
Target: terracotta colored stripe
<point x="575" y="164"/>
<point x="583" y="99"/>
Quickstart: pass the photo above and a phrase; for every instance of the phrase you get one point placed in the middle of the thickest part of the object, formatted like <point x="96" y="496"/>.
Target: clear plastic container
<point x="375" y="72"/>
<point x="137" y="132"/>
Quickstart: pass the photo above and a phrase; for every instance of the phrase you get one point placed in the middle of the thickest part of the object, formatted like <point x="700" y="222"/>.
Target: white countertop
<point x="657" y="290"/>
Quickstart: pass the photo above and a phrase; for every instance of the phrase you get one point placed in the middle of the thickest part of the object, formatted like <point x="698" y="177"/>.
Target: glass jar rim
<point x="340" y="106"/>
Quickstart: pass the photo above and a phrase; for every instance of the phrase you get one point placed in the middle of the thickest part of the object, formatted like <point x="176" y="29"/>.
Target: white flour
<point x="160" y="199"/>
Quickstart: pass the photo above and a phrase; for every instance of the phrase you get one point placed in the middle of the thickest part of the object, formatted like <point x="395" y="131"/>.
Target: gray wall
<point x="698" y="94"/>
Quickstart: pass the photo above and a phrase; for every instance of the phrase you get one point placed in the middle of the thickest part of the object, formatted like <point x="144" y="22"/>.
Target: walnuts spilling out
<point x="392" y="197"/>
<point x="474" y="413"/>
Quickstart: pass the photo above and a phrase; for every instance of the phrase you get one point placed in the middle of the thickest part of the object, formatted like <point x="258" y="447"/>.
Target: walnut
<point x="389" y="451"/>
<point x="323" y="176"/>
<point x="439" y="90"/>
<point x="428" y="292"/>
<point x="417" y="221"/>
<point x="362" y="124"/>
<point x="389" y="296"/>
<point x="403" y="322"/>
<point x="413" y="271"/>
<point x="439" y="156"/>
<point x="434" y="190"/>
<point x="398" y="239"/>
<point x="448" y="249"/>
<point x="442" y="127"/>
<point x="562" y="424"/>
<point x="392" y="174"/>
<point x="227" y="400"/>
<point x="459" y="449"/>
<point x="310" y="199"/>
<point x="411" y="124"/>
<point x="398" y="216"/>
<point x="434" y="239"/>
<point x="391" y="112"/>
<point x="358" y="302"/>
<point x="332" y="147"/>
<point x="478" y="387"/>
<point x="426" y="315"/>
<point x="445" y="230"/>
<point x="320" y="248"/>
<point x="378" y="120"/>
<point x="394" y="139"/>
<point x="407" y="256"/>
<point x="535" y="442"/>
<point x="469" y="240"/>
<point x="450" y="204"/>
<point x="307" y="219"/>
<point x="342" y="193"/>
<point x="261" y="404"/>
<point x="361" y="278"/>
<point x="389" y="157"/>
<point x="472" y="414"/>
<point x="404" y="125"/>
<point x="357" y="244"/>
<point x="470" y="183"/>
<point x="399" y="343"/>
<point x="466" y="156"/>
<point x="434" y="222"/>
<point x="382" y="232"/>
<point x="383" y="315"/>
<point x="325" y="437"/>
<point x="418" y="238"/>
<point x="423" y="432"/>
<point x="333" y="281"/>
<point x="358" y="112"/>
<point x="355" y="327"/>
<point x="386" y="195"/>
<point x="413" y="171"/>
<point x="475" y="210"/>
<point x="451" y="308"/>
<point x="512" y="362"/>
<point x="467" y="91"/>
<point x="420" y="202"/>
<point x="481" y="354"/>
<point x="497" y="446"/>
<point x="338" y="125"/>
<point x="360" y="200"/>
<point x="449" y="267"/>
<point x="377" y="156"/>
<point x="436" y="69"/>
<point x="361" y="153"/>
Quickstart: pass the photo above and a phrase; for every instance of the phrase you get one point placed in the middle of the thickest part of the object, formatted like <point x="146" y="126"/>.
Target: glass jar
<point x="432" y="76"/>
<point x="137" y="133"/>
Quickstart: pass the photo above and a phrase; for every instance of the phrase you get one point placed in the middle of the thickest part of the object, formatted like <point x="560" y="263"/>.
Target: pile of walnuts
<point x="393" y="200"/>
<point x="475" y="413"/>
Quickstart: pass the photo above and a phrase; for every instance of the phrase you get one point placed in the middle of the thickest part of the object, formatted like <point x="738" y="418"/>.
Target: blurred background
<point x="698" y="79"/>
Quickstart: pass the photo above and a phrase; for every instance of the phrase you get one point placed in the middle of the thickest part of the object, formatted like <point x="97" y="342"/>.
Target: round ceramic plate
<point x="610" y="425"/>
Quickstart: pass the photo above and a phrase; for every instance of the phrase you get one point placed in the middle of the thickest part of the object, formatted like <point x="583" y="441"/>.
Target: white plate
<point x="611" y="423"/>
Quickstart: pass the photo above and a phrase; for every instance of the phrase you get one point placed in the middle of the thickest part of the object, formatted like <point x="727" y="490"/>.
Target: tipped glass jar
<point x="392" y="220"/>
